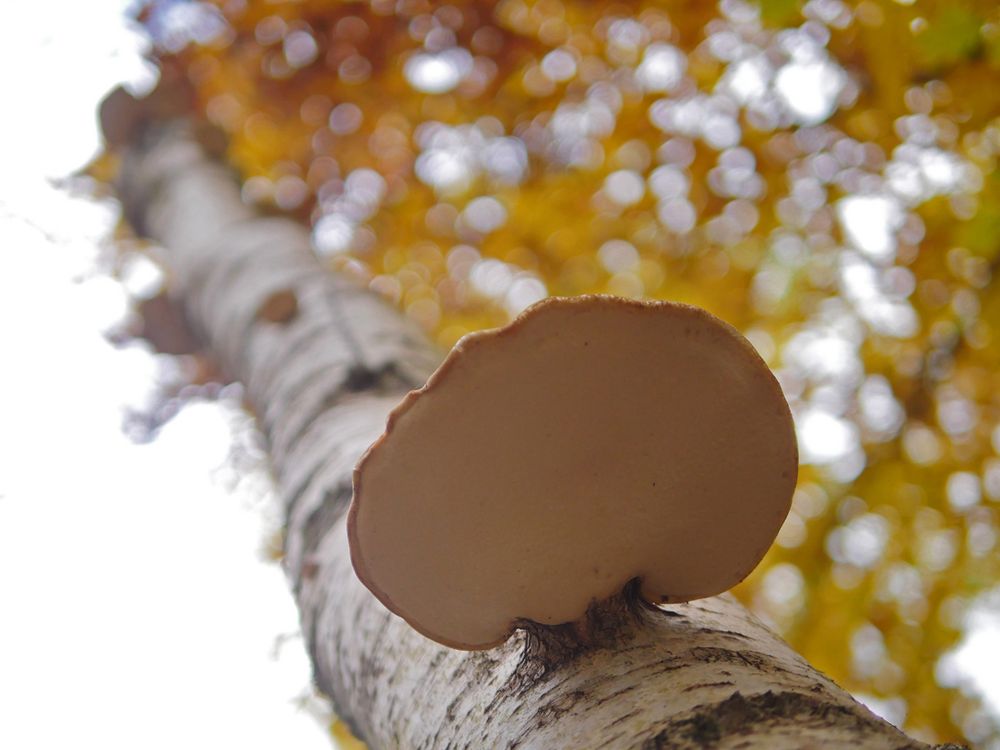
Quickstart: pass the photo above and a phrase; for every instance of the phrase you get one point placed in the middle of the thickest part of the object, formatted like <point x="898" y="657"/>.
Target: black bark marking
<point x="483" y="665"/>
<point x="707" y="725"/>
<point x="361" y="378"/>
<point x="436" y="660"/>
<point x="667" y="664"/>
<point x="624" y="717"/>
<point x="702" y="686"/>
<point x="615" y="695"/>
<point x="549" y="713"/>
<point x="671" y="613"/>
<point x="713" y="655"/>
<point x="451" y="712"/>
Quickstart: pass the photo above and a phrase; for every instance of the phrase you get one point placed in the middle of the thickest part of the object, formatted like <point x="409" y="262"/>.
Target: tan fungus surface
<point x="547" y="463"/>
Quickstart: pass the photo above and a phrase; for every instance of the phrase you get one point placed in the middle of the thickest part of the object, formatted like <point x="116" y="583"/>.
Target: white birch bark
<point x="704" y="674"/>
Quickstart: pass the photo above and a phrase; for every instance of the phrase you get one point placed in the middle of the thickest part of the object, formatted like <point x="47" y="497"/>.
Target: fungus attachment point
<point x="546" y="464"/>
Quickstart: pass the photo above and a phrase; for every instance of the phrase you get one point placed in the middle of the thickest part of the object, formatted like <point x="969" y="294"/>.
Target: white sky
<point x="135" y="609"/>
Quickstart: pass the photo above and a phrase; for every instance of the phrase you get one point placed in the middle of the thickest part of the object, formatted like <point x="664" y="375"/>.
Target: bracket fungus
<point x="544" y="465"/>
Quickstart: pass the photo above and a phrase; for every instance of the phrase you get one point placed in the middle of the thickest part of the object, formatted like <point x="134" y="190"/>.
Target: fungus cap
<point x="546" y="464"/>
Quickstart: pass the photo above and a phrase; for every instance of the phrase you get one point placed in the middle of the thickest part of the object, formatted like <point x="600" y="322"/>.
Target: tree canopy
<point x="822" y="175"/>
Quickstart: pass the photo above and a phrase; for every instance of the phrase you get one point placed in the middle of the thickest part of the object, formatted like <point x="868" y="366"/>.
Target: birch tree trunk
<point x="323" y="362"/>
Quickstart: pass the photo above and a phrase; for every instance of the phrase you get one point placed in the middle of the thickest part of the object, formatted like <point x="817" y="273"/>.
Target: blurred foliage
<point x="343" y="738"/>
<point x="821" y="174"/>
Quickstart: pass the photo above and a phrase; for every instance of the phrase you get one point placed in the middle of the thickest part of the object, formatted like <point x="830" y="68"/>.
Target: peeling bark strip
<point x="705" y="674"/>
